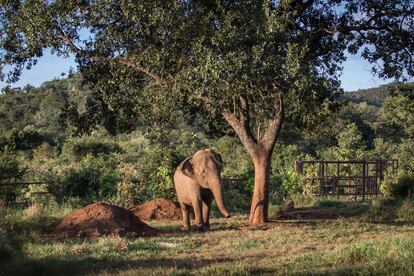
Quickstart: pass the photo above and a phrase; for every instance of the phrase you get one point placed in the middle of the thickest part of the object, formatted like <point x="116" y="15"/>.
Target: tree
<point x="398" y="114"/>
<point x="256" y="63"/>
<point x="350" y="143"/>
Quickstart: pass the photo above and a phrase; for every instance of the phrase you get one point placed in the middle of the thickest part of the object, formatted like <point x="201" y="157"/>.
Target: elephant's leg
<point x="206" y="213"/>
<point x="197" y="206"/>
<point x="186" y="218"/>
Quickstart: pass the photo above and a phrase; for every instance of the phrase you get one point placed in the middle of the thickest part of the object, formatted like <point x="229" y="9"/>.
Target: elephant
<point x="197" y="180"/>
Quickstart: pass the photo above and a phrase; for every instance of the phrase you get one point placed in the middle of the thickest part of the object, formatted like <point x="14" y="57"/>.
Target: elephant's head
<point x="205" y="167"/>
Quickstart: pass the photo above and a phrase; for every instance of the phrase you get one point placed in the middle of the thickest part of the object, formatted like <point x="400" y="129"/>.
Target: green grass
<point x="356" y="244"/>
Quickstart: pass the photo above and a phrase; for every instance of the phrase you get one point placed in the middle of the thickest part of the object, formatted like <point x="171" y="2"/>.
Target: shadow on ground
<point x="65" y="266"/>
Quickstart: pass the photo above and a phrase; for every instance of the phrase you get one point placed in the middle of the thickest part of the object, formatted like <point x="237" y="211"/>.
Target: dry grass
<point x="342" y="246"/>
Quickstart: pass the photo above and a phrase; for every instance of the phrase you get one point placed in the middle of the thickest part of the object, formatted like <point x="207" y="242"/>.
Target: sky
<point x="356" y="74"/>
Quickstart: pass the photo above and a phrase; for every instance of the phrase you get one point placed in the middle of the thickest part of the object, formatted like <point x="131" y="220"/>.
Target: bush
<point x="383" y="210"/>
<point x="406" y="211"/>
<point x="45" y="167"/>
<point x="10" y="172"/>
<point x="237" y="162"/>
<point x="39" y="195"/>
<point x="128" y="191"/>
<point x="91" y="179"/>
<point x="28" y="138"/>
<point x="237" y="194"/>
<point x="156" y="168"/>
<point x="401" y="186"/>
<point x="77" y="148"/>
<point x="292" y="183"/>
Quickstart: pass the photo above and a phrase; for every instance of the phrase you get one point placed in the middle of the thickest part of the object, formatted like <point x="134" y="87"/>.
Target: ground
<point x="361" y="238"/>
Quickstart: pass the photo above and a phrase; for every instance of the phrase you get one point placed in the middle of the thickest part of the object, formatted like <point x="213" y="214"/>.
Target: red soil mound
<point x="157" y="209"/>
<point x="101" y="219"/>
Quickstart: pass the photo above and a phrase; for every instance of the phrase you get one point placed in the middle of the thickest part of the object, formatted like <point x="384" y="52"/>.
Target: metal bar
<point x="25" y="183"/>
<point x="32" y="183"/>
<point x="364" y="173"/>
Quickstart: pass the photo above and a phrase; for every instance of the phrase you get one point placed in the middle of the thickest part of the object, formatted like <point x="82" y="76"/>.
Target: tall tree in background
<point x="256" y="63"/>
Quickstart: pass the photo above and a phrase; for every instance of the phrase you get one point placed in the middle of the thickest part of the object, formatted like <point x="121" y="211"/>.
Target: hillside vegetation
<point x="62" y="133"/>
<point x="372" y="96"/>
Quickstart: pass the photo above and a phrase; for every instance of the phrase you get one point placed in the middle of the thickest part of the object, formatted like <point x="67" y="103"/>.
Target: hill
<point x="40" y="107"/>
<point x="372" y="96"/>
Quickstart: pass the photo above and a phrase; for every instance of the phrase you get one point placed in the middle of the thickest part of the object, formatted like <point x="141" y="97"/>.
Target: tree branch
<point x="120" y="60"/>
<point x="240" y="125"/>
<point x="299" y="7"/>
<point x="273" y="130"/>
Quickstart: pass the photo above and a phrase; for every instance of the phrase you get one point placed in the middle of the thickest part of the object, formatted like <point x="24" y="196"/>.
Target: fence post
<point x="322" y="175"/>
<point x="364" y="177"/>
<point x="299" y="167"/>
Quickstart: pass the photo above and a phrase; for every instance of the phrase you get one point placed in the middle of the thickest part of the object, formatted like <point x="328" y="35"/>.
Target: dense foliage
<point x="133" y="167"/>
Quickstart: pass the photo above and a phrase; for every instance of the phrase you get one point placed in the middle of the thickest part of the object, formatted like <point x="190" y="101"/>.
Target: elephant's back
<point x="184" y="186"/>
<point x="180" y="178"/>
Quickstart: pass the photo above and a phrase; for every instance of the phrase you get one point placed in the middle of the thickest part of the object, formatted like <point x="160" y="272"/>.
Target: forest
<point x="91" y="164"/>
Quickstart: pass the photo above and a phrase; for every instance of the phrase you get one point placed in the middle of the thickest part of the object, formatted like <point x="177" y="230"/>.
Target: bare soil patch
<point x="157" y="209"/>
<point x="101" y="219"/>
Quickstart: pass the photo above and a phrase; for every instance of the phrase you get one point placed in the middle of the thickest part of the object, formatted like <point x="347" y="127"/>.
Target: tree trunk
<point x="260" y="199"/>
<point x="260" y="150"/>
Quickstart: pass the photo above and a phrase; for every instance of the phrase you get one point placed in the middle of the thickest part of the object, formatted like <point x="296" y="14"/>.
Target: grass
<point x="355" y="243"/>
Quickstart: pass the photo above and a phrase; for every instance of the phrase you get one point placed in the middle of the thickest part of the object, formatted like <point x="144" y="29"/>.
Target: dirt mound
<point x="157" y="209"/>
<point x="306" y="214"/>
<point x="102" y="219"/>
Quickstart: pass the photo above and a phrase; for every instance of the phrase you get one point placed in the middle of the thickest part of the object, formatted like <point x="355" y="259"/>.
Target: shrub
<point x="128" y="191"/>
<point x="292" y="182"/>
<point x="91" y="179"/>
<point x="406" y="211"/>
<point x="401" y="186"/>
<point x="77" y="148"/>
<point x="237" y="163"/>
<point x="28" y="138"/>
<point x="44" y="152"/>
<point x="382" y="210"/>
<point x="39" y="195"/>
<point x="10" y="172"/>
<point x="156" y="168"/>
<point x="237" y="194"/>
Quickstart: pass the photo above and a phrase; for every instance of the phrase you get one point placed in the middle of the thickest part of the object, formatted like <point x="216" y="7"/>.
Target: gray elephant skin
<point x="197" y="181"/>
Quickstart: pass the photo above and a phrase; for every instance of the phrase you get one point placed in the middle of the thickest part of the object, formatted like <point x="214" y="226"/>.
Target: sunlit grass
<point x="351" y="244"/>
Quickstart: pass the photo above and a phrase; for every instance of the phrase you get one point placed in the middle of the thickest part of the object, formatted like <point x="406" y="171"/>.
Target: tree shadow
<point x="70" y="266"/>
<point x="380" y="212"/>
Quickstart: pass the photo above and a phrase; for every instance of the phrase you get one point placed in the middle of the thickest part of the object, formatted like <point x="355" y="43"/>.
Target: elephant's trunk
<point x="218" y="195"/>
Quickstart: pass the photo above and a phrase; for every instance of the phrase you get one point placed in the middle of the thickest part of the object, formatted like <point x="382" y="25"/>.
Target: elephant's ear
<point x="187" y="167"/>
<point x="218" y="159"/>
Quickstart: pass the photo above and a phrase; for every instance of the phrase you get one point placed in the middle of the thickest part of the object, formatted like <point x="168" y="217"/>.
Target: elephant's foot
<point x="199" y="228"/>
<point x="185" y="227"/>
<point x="206" y="226"/>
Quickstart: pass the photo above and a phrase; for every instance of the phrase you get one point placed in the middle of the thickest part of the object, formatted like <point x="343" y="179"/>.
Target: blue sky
<point x="356" y="74"/>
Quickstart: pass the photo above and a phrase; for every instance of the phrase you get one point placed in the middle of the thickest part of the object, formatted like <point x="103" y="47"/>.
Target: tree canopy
<point x="252" y="63"/>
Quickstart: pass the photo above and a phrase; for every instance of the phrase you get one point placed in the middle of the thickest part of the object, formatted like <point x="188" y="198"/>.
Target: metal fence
<point x="14" y="186"/>
<point x="346" y="178"/>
